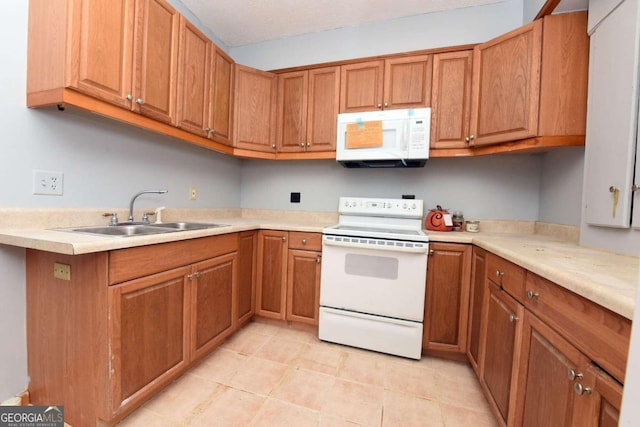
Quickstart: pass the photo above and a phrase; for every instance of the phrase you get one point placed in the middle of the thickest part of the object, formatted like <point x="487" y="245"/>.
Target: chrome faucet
<point x="133" y="199"/>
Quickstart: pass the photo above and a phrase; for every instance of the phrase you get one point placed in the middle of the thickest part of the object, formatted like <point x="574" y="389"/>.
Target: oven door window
<point x="371" y="266"/>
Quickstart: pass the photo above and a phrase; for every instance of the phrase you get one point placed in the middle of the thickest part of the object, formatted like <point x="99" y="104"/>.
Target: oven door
<point x="374" y="276"/>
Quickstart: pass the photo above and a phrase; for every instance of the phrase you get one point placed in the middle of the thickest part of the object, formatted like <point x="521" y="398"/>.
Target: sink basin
<point x="184" y="226"/>
<point x="141" y="229"/>
<point x="121" y="230"/>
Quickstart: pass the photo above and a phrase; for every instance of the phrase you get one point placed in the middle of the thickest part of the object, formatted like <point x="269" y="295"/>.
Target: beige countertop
<point x="603" y="277"/>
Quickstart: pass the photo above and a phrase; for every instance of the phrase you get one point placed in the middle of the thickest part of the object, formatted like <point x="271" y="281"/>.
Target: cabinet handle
<point x="499" y="273"/>
<point x="513" y="318"/>
<point x="635" y="187"/>
<point x="193" y="276"/>
<point x="573" y="375"/>
<point x="532" y="294"/>
<point x="379" y="106"/>
<point x="467" y="139"/>
<point x="284" y="239"/>
<point x="472" y="137"/>
<point x="190" y="276"/>
<point x="386" y="104"/>
<point x="208" y="130"/>
<point x="302" y="144"/>
<point x="308" y="144"/>
<point x="579" y="389"/>
<point x="273" y="145"/>
<point x="318" y="260"/>
<point x="431" y="252"/>
<point x="139" y="101"/>
<point x="304" y="241"/>
<point x="129" y="97"/>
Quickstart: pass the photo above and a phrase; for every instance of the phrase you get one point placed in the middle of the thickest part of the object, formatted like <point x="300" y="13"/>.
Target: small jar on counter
<point x="458" y="221"/>
<point x="472" y="226"/>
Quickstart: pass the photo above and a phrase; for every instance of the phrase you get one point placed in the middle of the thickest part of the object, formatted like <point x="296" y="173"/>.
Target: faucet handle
<point x="114" y="217"/>
<point x="145" y="216"/>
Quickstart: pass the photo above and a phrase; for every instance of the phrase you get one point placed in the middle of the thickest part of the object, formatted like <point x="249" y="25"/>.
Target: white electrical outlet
<point x="193" y="193"/>
<point x="47" y="182"/>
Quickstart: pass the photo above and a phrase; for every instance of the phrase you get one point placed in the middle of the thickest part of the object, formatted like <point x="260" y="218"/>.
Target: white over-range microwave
<point x="387" y="138"/>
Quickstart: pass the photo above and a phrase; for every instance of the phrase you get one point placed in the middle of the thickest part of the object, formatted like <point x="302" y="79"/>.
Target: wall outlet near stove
<point x="295" y="197"/>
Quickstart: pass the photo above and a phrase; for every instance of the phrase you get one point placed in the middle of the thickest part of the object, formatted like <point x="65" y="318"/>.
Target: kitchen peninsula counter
<point x="603" y="277"/>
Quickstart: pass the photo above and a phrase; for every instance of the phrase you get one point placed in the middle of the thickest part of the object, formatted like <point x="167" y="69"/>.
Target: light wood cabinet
<point x="451" y="99"/>
<point x="447" y="299"/>
<point x="127" y="322"/>
<point x="271" y="294"/>
<point x="308" y="103"/>
<point x="220" y="124"/>
<point x="549" y="373"/>
<point x="393" y="83"/>
<point x="476" y="298"/>
<point x="531" y="82"/>
<point x="123" y="52"/>
<point x="247" y="259"/>
<point x="213" y="302"/>
<point x="288" y="285"/>
<point x="255" y="109"/>
<point x="194" y="79"/>
<point x="149" y="332"/>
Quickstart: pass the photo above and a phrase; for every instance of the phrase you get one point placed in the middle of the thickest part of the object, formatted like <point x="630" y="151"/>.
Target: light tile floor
<point x="270" y="374"/>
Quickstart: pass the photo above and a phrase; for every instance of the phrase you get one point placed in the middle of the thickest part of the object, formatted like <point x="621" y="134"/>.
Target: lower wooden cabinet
<point x="447" y="299"/>
<point x="476" y="298"/>
<point x="288" y="284"/>
<point x="503" y="315"/>
<point x="246" y="299"/>
<point x="126" y="323"/>
<point x="607" y="396"/>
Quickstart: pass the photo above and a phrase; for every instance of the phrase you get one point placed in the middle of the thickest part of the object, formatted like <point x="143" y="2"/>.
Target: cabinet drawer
<point x="598" y="332"/>
<point x="507" y="275"/>
<point x="305" y="241"/>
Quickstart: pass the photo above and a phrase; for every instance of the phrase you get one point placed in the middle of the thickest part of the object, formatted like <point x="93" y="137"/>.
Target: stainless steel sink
<point x="137" y="229"/>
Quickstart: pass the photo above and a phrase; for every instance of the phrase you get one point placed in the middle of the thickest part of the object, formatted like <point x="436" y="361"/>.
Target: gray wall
<point x="104" y="162"/>
<point x="496" y="187"/>
<point x="561" y="186"/>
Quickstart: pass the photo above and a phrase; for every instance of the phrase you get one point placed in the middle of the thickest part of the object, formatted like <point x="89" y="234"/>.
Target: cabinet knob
<point x="273" y="145"/>
<point x="532" y="294"/>
<point x="431" y="252"/>
<point x="304" y="241"/>
<point x="499" y="273"/>
<point x="302" y="144"/>
<point x="139" y="101"/>
<point x="379" y="106"/>
<point x="513" y="318"/>
<point x="472" y="137"/>
<point x="129" y="97"/>
<point x="579" y="389"/>
<point x="573" y="375"/>
<point x="308" y="144"/>
<point x="284" y="239"/>
<point x="467" y="139"/>
<point x="318" y="260"/>
<point x="386" y="104"/>
<point x="208" y="130"/>
<point x="635" y="187"/>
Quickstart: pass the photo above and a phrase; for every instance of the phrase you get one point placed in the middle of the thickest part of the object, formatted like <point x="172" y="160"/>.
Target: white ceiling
<point x="241" y="22"/>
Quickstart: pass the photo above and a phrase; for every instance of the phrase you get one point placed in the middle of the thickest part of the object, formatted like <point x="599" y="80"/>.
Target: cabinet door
<point x="221" y="97"/>
<point x="271" y="288"/>
<point x="212" y="307"/>
<point x="506" y="91"/>
<point x="451" y="99"/>
<point x="607" y="398"/>
<point x="407" y="82"/>
<point x="255" y="109"/>
<point x="103" y="55"/>
<point x="193" y="79"/>
<point x="613" y="114"/>
<point x="156" y="60"/>
<point x="303" y="286"/>
<point x="323" y="104"/>
<point x="246" y="299"/>
<point x="447" y="298"/>
<point x="501" y="330"/>
<point x="292" y="111"/>
<point x="148" y="333"/>
<point x="478" y="275"/>
<point x="361" y="86"/>
<point x="546" y="393"/>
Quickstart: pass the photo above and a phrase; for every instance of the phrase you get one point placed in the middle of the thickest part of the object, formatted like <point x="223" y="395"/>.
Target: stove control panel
<point x="401" y="208"/>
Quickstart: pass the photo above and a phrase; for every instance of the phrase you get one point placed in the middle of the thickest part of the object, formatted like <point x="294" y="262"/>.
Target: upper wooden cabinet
<point x="193" y="75"/>
<point x="308" y="103"/>
<point x="123" y="52"/>
<point x="393" y="83"/>
<point x="255" y="109"/>
<point x="531" y="82"/>
<point x="451" y="99"/>
<point x="220" y="124"/>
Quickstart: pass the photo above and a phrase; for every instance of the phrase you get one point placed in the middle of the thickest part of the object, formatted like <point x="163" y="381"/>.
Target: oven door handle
<point x="416" y="250"/>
